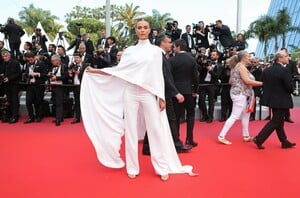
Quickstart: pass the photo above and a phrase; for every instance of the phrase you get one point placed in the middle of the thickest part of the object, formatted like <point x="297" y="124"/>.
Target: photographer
<point x="38" y="37"/>
<point x="14" y="33"/>
<point x="101" y="58"/>
<point x="188" y="38"/>
<point x="200" y="32"/>
<point x="76" y="71"/>
<point x="209" y="73"/>
<point x="35" y="74"/>
<point x="223" y="33"/>
<point x="172" y="30"/>
<point x="10" y="71"/>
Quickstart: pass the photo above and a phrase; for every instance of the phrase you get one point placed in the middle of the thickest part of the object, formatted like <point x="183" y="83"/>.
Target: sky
<point x="185" y="12"/>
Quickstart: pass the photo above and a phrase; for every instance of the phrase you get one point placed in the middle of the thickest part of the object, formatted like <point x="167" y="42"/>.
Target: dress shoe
<point x="192" y="143"/>
<point x="289" y="120"/>
<point x="203" y="119"/>
<point x="30" y="120"/>
<point x="13" y="120"/>
<point x="209" y="120"/>
<point x="222" y="120"/>
<point x="247" y="138"/>
<point x="76" y="120"/>
<point x="259" y="145"/>
<point x="223" y="140"/>
<point x="57" y="123"/>
<point x="38" y="119"/>
<point x="287" y="144"/>
<point x="268" y="118"/>
<point x="184" y="148"/>
<point x="164" y="177"/>
<point x="131" y="176"/>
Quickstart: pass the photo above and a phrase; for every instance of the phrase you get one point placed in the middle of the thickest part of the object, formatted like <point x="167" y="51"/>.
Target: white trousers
<point x="239" y="104"/>
<point x="136" y="97"/>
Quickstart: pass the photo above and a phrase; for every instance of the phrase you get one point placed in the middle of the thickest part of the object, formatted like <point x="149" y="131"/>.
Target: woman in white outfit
<point x="241" y="91"/>
<point x="141" y="89"/>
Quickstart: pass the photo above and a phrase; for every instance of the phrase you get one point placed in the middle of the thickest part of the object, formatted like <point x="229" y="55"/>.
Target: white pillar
<point x="107" y="18"/>
<point x="238" y="16"/>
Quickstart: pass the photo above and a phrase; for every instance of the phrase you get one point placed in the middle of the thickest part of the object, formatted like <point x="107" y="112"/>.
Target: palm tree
<point x="285" y="25"/>
<point x="158" y="21"/>
<point x="127" y="17"/>
<point x="262" y="29"/>
<point x="29" y="18"/>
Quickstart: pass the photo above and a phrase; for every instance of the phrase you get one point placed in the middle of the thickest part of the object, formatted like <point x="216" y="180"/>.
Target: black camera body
<point x="196" y="27"/>
<point x="169" y="26"/>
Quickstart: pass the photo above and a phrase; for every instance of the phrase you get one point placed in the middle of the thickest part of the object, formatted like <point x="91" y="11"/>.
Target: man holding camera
<point x="102" y="59"/>
<point x="173" y="31"/>
<point x="10" y="71"/>
<point x="35" y="74"/>
<point x="209" y="73"/>
<point x="76" y="70"/>
<point x="223" y="33"/>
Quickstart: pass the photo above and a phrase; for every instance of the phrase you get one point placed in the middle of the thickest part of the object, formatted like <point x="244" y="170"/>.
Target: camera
<point x="196" y="27"/>
<point x="169" y="26"/>
<point x="100" y="53"/>
<point x="76" y="67"/>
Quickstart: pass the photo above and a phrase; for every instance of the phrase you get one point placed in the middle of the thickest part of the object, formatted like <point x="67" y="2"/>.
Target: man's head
<point x="5" y="56"/>
<point x="281" y="57"/>
<point x="55" y="60"/>
<point x="164" y="42"/>
<point x="179" y="45"/>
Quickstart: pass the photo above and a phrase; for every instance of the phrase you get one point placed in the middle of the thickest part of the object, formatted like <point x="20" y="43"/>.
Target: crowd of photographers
<point x="38" y="69"/>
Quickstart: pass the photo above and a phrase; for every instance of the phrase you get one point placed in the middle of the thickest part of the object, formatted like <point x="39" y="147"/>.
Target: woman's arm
<point x="97" y="71"/>
<point x="245" y="77"/>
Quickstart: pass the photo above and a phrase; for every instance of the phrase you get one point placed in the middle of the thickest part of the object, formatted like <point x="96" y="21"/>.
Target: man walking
<point x="277" y="89"/>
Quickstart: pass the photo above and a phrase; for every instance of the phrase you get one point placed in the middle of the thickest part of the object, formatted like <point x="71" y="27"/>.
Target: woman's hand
<point x="162" y="104"/>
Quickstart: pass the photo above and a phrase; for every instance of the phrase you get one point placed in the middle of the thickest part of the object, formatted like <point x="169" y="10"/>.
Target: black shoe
<point x="29" y="120"/>
<point x="287" y="144"/>
<point x="259" y="145"/>
<point x="184" y="148"/>
<point x="13" y="120"/>
<point x="251" y="119"/>
<point x="289" y="120"/>
<point x="192" y="143"/>
<point x="222" y="120"/>
<point x="203" y="119"/>
<point x="268" y="118"/>
<point x="76" y="120"/>
<point x="209" y="120"/>
<point x="57" y="123"/>
<point x="38" y="119"/>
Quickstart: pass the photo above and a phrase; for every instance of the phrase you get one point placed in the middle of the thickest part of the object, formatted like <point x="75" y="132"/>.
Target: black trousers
<point x="12" y="91"/>
<point x="76" y="92"/>
<point x="15" y="49"/>
<point x="172" y="123"/>
<point x="276" y="123"/>
<point x="34" y="97"/>
<point x="189" y="106"/>
<point x="58" y="101"/>
<point x="226" y="102"/>
<point x="210" y="91"/>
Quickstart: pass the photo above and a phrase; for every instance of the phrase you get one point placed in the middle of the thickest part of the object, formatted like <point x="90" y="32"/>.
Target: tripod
<point x="60" y="40"/>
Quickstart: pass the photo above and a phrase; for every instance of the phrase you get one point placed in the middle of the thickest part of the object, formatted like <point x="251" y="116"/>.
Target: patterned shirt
<point x="237" y="84"/>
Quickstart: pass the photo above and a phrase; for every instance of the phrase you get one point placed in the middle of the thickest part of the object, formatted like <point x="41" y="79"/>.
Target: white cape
<point x="102" y="109"/>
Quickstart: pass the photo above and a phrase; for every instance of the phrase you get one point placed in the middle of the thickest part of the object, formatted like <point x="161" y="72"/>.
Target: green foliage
<point x="30" y="16"/>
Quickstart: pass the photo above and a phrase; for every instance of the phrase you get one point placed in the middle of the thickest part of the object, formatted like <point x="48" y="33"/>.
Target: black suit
<point x="14" y="33"/>
<point x="224" y="35"/>
<point x="277" y="89"/>
<point x="12" y="71"/>
<point x="185" y="74"/>
<point x="170" y="92"/>
<point x="185" y="36"/>
<point x="209" y="90"/>
<point x="35" y="89"/>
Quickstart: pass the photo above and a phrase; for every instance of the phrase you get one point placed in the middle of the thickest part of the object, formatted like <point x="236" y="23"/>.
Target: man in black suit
<point x="10" y="71"/>
<point x="277" y="90"/>
<point x="35" y="73"/>
<point x="224" y="34"/>
<point x="292" y="67"/>
<point x="188" y="38"/>
<point x="209" y="75"/>
<point x="59" y="76"/>
<point x="165" y="43"/>
<point x="14" y="33"/>
<point x="185" y="74"/>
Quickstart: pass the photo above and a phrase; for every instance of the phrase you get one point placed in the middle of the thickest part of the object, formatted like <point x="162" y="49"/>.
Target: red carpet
<point x="41" y="160"/>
